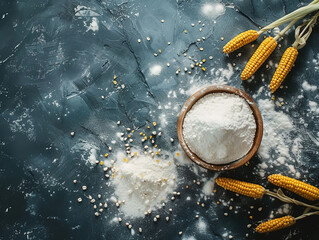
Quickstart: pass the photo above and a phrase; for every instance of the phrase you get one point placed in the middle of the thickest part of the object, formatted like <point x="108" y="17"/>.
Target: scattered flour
<point x="94" y="26"/>
<point x="87" y="150"/>
<point x="213" y="10"/>
<point x="307" y="87"/>
<point x="156" y="70"/>
<point x="277" y="127"/>
<point x="284" y="209"/>
<point x="208" y="187"/>
<point x="201" y="226"/>
<point x="83" y="11"/>
<point x="20" y="120"/>
<point x="188" y="238"/>
<point x="219" y="76"/>
<point x="143" y="182"/>
<point x="220" y="128"/>
<point x="313" y="106"/>
<point x="279" y="147"/>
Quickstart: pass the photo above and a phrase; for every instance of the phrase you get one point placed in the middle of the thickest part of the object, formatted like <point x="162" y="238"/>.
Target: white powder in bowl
<point x="143" y="182"/>
<point x="220" y="128"/>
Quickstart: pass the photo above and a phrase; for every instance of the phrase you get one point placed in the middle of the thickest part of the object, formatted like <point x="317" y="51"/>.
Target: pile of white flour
<point x="143" y="182"/>
<point x="220" y="128"/>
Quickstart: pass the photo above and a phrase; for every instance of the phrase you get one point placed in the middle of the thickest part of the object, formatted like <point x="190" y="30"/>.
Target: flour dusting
<point x="279" y="146"/>
<point x="156" y="70"/>
<point x="213" y="10"/>
<point x="143" y="182"/>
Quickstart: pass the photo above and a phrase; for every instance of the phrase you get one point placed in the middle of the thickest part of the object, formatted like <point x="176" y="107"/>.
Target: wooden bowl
<point x="220" y="89"/>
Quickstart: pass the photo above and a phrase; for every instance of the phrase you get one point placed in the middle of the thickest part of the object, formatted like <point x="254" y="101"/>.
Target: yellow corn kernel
<point x="259" y="57"/>
<point x="302" y="189"/>
<point x="285" y="65"/>
<point x="101" y="163"/>
<point x="141" y="133"/>
<point x="244" y="188"/>
<point x="240" y="40"/>
<point x="115" y="82"/>
<point x="275" y="224"/>
<point x="204" y="69"/>
<point x="154" y="124"/>
<point x="106" y="155"/>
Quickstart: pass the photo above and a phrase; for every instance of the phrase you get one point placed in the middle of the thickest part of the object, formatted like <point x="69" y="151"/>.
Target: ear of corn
<point x="259" y="57"/>
<point x="275" y="224"/>
<point x="240" y="40"/>
<point x="303" y="189"/>
<point x="243" y="188"/>
<point x="286" y="63"/>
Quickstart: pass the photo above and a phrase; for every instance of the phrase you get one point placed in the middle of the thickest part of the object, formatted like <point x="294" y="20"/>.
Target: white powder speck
<point x="213" y="10"/>
<point x="87" y="150"/>
<point x="307" y="87"/>
<point x="208" y="187"/>
<point x="188" y="238"/>
<point x="92" y="157"/>
<point x="220" y="128"/>
<point x="143" y="183"/>
<point x="201" y="226"/>
<point x="83" y="11"/>
<point x="156" y="70"/>
<point x="296" y="146"/>
<point x="225" y="73"/>
<point x="284" y="209"/>
<point x="313" y="106"/>
<point x="93" y="25"/>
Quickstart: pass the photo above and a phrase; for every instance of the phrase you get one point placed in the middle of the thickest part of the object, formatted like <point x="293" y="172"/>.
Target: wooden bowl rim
<point x="220" y="89"/>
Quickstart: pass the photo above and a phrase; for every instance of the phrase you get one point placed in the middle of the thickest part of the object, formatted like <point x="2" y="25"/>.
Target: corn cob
<point x="240" y="40"/>
<point x="275" y="224"/>
<point x="286" y="63"/>
<point x="243" y="188"/>
<point x="259" y="57"/>
<point x="303" y="189"/>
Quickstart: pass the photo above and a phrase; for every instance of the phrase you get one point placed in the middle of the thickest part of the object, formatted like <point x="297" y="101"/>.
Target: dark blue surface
<point x="54" y="69"/>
